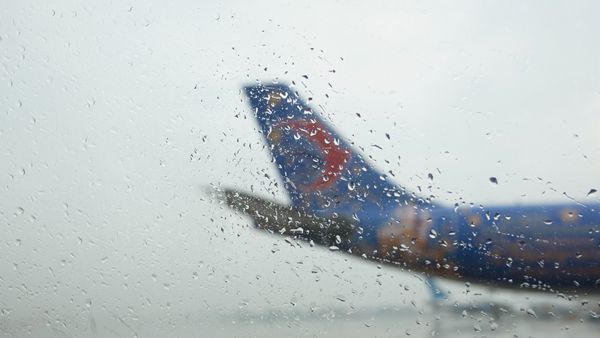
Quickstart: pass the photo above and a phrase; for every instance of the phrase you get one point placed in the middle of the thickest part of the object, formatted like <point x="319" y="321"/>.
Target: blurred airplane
<point x="339" y="200"/>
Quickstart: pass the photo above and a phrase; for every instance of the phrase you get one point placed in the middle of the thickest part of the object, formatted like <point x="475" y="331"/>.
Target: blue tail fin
<point x="320" y="171"/>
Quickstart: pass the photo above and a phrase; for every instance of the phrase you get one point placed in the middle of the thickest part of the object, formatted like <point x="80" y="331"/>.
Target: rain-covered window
<point x="304" y="169"/>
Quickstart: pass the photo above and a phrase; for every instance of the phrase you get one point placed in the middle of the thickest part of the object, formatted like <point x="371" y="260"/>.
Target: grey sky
<point x="115" y="116"/>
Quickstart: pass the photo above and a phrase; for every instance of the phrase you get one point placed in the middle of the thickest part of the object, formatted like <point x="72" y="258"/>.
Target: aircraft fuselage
<point x="536" y="246"/>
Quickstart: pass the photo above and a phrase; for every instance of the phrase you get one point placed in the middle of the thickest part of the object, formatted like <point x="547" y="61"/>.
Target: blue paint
<point x="533" y="246"/>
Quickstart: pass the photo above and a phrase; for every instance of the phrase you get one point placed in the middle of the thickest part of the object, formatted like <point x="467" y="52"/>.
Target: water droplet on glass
<point x="592" y="191"/>
<point x="493" y="180"/>
<point x="493" y="326"/>
<point x="20" y="211"/>
<point x="432" y="233"/>
<point x="351" y="186"/>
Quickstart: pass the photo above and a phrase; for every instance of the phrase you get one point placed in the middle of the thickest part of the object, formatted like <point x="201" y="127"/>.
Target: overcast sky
<point x="116" y="117"/>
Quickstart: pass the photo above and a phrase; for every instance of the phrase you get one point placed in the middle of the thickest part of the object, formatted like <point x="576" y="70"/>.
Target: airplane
<point x="339" y="200"/>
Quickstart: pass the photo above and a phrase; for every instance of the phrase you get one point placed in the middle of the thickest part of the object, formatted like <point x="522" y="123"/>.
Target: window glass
<point x="290" y="168"/>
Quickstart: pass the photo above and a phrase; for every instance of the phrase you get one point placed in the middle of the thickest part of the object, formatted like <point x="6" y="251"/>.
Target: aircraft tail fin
<point x="320" y="171"/>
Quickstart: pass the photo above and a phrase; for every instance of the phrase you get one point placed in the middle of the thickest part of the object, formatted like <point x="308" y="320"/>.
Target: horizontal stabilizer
<point x="287" y="219"/>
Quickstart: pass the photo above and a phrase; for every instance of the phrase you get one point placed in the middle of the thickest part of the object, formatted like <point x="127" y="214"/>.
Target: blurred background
<point x="116" y="119"/>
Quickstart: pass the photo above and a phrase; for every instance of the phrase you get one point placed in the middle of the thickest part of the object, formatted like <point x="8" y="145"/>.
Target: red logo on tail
<point x="334" y="156"/>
